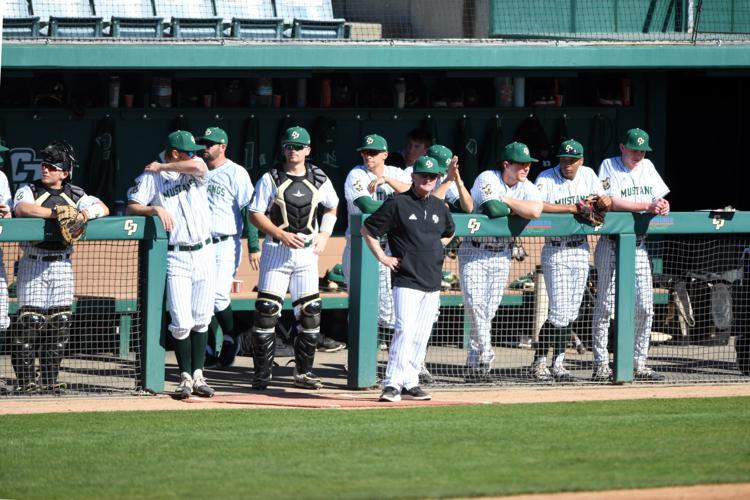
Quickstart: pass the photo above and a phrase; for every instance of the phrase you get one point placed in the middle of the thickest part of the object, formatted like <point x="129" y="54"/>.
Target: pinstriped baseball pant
<point x="415" y="313"/>
<point x="190" y="290"/>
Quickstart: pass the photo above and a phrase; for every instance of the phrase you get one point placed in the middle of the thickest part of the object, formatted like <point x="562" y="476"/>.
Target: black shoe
<point x="417" y="393"/>
<point x="229" y="351"/>
<point x="477" y="375"/>
<point x="327" y="344"/>
<point x="390" y="394"/>
<point x="648" y="375"/>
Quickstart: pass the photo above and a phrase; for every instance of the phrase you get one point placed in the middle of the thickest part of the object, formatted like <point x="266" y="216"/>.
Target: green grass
<point x="396" y="453"/>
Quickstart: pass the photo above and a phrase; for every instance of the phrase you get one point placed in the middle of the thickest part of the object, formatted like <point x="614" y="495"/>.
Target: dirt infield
<point x="701" y="492"/>
<point x="342" y="399"/>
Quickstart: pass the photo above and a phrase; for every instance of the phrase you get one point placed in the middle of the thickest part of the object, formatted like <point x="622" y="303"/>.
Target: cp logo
<point x="130" y="227"/>
<point x="640" y="141"/>
<point x="718" y="221"/>
<point x="474" y="225"/>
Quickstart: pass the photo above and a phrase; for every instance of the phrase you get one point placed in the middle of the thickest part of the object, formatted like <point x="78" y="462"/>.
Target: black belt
<point x="217" y="239"/>
<point x="638" y="241"/>
<point x="188" y="248"/>
<point x="491" y="247"/>
<point x="569" y="244"/>
<point x="49" y="258"/>
<point x="307" y="242"/>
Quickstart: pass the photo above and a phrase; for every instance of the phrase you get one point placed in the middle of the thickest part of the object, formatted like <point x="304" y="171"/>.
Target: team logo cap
<point x="215" y="135"/>
<point x="296" y="135"/>
<point x="442" y="154"/>
<point x="182" y="140"/>
<point x="426" y="165"/>
<point x="636" y="139"/>
<point x="373" y="142"/>
<point x="570" y="149"/>
<point x="517" y="152"/>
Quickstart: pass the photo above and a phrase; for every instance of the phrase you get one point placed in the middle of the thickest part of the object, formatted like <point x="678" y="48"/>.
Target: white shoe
<point x="185" y="388"/>
<point x="602" y="373"/>
<point x="540" y="371"/>
<point x="201" y="387"/>
<point x="561" y="374"/>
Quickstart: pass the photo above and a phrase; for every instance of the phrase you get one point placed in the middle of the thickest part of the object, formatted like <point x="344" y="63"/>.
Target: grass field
<point x="396" y="453"/>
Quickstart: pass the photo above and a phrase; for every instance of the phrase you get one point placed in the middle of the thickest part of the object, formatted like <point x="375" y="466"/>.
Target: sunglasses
<point x="190" y="154"/>
<point x="52" y="166"/>
<point x="370" y="152"/>
<point x="430" y="177"/>
<point x="294" y="147"/>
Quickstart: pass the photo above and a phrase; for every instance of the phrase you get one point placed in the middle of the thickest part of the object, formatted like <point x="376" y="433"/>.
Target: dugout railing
<point x="706" y="253"/>
<point x="116" y="342"/>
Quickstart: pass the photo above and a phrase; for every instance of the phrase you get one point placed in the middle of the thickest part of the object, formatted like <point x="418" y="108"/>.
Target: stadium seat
<point x="310" y="18"/>
<point x="69" y="19"/>
<point x="130" y="18"/>
<point x="250" y="18"/>
<point x="18" y="21"/>
<point x="190" y="18"/>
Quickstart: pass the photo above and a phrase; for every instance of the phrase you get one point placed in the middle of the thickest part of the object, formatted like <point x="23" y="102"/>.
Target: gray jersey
<point x="229" y="191"/>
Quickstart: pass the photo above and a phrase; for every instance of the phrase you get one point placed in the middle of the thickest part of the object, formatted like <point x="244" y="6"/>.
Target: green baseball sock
<point x="562" y="334"/>
<point x="198" y="349"/>
<point x="182" y="353"/>
<point x="225" y="318"/>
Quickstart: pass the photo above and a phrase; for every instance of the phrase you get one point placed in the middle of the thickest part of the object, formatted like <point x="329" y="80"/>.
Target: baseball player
<point x="285" y="208"/>
<point x="634" y="186"/>
<point x="484" y="263"/>
<point x="366" y="188"/>
<point x="565" y="260"/>
<point x="418" y="226"/>
<point x="229" y="192"/>
<point x="45" y="272"/>
<point x="450" y="187"/>
<point x="176" y="192"/>
<point x="6" y="206"/>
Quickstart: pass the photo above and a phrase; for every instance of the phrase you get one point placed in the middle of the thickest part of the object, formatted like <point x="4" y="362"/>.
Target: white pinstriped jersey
<point x="5" y="197"/>
<point x="489" y="185"/>
<point x="359" y="178"/>
<point x="229" y="191"/>
<point x="265" y="192"/>
<point x="558" y="190"/>
<point x="643" y="184"/>
<point x="184" y="196"/>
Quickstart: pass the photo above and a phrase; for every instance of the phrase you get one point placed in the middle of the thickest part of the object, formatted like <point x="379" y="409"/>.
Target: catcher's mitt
<point x="590" y="210"/>
<point x="71" y="226"/>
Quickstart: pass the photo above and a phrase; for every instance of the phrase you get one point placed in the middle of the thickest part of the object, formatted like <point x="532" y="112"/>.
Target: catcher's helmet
<point x="59" y="154"/>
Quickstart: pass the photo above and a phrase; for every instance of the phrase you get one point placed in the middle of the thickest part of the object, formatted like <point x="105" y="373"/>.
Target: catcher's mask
<point x="60" y="155"/>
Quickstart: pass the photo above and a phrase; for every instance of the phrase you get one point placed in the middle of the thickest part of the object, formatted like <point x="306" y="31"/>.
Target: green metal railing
<point x="363" y="294"/>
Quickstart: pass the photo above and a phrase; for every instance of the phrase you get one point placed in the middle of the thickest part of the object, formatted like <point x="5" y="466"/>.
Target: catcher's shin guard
<point x="267" y="310"/>
<point x="25" y="342"/>
<point x="306" y="341"/>
<point x="58" y="334"/>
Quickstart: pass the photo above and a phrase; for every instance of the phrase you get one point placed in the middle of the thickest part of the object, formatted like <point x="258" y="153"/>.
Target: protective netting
<point x="618" y="20"/>
<point x="700" y="298"/>
<point x="75" y="320"/>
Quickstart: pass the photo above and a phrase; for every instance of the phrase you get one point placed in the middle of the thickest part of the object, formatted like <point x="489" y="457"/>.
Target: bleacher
<point x="179" y="19"/>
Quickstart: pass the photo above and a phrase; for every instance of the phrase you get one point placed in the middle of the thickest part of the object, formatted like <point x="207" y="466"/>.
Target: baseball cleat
<point x="417" y="393"/>
<point x="229" y="351"/>
<point x="539" y="371"/>
<point x="327" y="344"/>
<point x="201" y="387"/>
<point x="602" y="373"/>
<point x="477" y="375"/>
<point x="648" y="375"/>
<point x="425" y="377"/>
<point x="560" y="374"/>
<point x="307" y="380"/>
<point x="185" y="388"/>
<point x="390" y="394"/>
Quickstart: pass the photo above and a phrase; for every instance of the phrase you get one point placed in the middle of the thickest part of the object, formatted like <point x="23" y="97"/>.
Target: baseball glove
<point x="591" y="210"/>
<point x="71" y="226"/>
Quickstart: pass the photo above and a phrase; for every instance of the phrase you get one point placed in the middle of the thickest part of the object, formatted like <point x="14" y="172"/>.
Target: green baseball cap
<point x="636" y="139"/>
<point x="182" y="140"/>
<point x="442" y="154"/>
<point x="373" y="142"/>
<point x="517" y="152"/>
<point x="427" y="165"/>
<point x="3" y="148"/>
<point x="570" y="149"/>
<point x="215" y="135"/>
<point x="296" y="135"/>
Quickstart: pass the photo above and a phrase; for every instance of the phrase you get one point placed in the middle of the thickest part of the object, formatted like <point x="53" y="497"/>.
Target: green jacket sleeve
<point x="252" y="235"/>
<point x="367" y="204"/>
<point x="495" y="208"/>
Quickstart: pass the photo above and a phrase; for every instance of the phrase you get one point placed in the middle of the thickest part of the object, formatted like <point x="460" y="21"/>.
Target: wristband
<point x="95" y="211"/>
<point x="327" y="223"/>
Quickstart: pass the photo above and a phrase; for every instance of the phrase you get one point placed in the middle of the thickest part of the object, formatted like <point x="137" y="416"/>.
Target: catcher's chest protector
<point x="295" y="207"/>
<point x="50" y="198"/>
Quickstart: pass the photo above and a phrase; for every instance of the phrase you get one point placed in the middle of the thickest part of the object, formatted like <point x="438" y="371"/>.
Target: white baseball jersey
<point x="229" y="191"/>
<point x="359" y="178"/>
<point x="265" y="193"/>
<point x="5" y="199"/>
<point x="184" y="196"/>
<point x="642" y="184"/>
